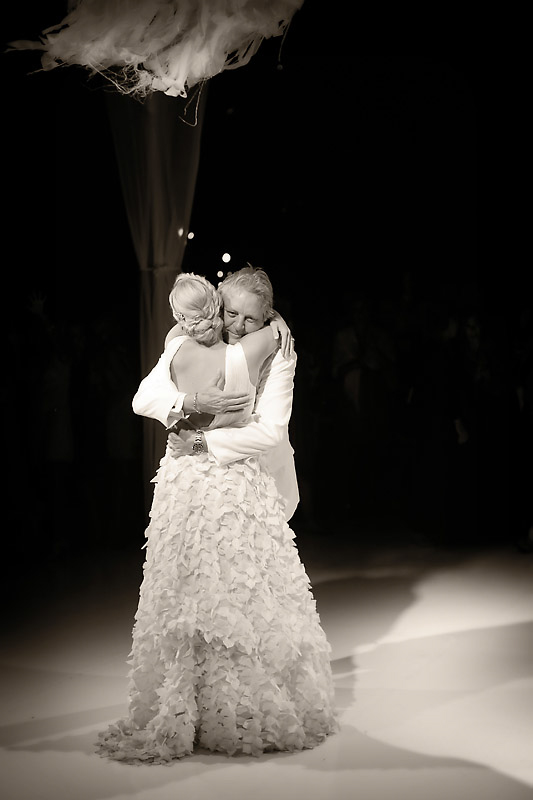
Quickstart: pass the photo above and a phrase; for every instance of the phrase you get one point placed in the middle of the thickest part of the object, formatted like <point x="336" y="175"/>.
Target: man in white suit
<point x="247" y="296"/>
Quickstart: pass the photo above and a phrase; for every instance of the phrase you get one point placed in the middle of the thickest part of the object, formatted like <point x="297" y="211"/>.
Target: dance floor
<point x="432" y="658"/>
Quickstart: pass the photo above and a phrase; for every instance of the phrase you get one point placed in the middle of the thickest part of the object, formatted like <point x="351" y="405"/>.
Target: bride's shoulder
<point x="178" y="348"/>
<point x="174" y="334"/>
<point x="183" y="346"/>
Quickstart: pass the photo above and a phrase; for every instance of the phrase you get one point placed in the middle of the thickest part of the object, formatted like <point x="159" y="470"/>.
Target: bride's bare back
<point x="195" y="366"/>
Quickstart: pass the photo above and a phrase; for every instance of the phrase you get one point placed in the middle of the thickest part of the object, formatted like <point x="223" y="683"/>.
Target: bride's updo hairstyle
<point x="195" y="304"/>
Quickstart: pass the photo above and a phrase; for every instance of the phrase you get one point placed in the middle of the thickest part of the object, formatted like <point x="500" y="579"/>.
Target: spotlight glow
<point x="180" y="231"/>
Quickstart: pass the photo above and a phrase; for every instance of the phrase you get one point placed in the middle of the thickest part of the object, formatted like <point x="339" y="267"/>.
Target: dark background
<point x="344" y="162"/>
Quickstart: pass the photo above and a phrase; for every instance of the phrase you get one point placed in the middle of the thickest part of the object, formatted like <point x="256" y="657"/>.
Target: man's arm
<point x="270" y="419"/>
<point x="158" y="397"/>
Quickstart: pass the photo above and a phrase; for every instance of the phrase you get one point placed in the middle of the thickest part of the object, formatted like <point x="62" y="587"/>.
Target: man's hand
<point x="281" y="330"/>
<point x="183" y="445"/>
<point x="214" y="400"/>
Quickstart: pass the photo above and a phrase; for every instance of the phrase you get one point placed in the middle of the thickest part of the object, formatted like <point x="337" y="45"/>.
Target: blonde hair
<point x="254" y="280"/>
<point x="195" y="304"/>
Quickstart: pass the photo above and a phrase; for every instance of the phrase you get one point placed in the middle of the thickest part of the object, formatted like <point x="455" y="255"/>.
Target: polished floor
<point x="433" y="664"/>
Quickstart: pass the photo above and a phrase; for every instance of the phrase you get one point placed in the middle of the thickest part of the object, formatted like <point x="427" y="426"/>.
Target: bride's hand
<point x="282" y="331"/>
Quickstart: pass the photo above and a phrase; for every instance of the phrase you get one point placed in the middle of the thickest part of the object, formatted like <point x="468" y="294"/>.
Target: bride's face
<point x="243" y="313"/>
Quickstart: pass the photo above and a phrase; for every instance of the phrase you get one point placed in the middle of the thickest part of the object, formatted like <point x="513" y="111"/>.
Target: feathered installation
<point x="168" y="46"/>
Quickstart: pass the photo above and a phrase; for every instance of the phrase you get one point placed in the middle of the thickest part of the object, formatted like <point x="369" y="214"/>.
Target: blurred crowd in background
<point x="412" y="412"/>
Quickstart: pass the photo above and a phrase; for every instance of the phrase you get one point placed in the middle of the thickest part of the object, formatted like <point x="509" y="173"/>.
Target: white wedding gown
<point x="228" y="651"/>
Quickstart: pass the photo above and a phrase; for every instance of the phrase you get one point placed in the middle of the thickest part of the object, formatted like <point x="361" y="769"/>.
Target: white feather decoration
<point x="165" y="46"/>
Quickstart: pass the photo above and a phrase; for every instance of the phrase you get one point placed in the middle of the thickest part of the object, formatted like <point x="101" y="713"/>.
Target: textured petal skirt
<point x="228" y="653"/>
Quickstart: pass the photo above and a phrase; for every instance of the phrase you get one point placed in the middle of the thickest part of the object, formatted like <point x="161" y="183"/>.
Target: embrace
<point x="228" y="652"/>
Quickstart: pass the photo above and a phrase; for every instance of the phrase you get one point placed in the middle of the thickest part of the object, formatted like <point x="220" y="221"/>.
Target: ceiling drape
<point x="157" y="155"/>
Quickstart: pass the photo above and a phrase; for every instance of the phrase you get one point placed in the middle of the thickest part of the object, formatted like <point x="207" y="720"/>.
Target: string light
<point x="226" y="257"/>
<point x="190" y="235"/>
<point x="220" y="274"/>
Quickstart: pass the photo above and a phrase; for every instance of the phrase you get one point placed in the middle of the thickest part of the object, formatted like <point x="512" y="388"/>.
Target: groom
<point x="248" y="298"/>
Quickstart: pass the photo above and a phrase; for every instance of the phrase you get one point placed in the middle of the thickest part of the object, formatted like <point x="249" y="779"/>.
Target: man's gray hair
<point x="251" y="279"/>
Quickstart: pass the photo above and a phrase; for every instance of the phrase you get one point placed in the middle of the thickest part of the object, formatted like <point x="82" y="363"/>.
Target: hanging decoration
<point x="168" y="46"/>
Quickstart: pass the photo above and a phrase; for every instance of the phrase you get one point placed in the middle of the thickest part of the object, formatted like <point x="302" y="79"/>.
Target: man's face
<point x="243" y="313"/>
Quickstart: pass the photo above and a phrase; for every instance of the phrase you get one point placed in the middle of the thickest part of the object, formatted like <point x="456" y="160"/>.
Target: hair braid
<point x="195" y="304"/>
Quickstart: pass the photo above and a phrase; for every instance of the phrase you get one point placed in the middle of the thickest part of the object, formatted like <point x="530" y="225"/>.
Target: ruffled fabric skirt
<point x="228" y="652"/>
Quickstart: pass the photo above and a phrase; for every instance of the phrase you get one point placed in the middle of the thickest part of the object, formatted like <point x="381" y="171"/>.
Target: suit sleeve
<point x="157" y="395"/>
<point x="270" y="419"/>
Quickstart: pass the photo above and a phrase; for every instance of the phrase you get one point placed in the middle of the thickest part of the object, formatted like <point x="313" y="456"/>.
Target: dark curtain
<point x="158" y="155"/>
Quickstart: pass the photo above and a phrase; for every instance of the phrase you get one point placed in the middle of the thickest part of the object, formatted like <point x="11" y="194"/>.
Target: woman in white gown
<point x="228" y="652"/>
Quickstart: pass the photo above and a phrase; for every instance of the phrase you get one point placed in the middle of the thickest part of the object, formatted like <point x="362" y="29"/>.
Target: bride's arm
<point x="269" y="425"/>
<point x="282" y="330"/>
<point x="257" y="347"/>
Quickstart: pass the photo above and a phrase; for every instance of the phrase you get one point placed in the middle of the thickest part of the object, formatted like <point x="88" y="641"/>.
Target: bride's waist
<point x="186" y="429"/>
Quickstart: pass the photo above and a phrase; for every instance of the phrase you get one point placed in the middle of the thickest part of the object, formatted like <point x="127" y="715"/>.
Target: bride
<point x="228" y="652"/>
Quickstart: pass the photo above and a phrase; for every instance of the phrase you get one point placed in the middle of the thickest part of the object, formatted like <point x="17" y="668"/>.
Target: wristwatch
<point x="198" y="444"/>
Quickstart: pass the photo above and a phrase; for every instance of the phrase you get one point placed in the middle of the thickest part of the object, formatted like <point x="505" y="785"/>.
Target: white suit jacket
<point x="266" y="435"/>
